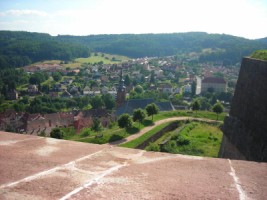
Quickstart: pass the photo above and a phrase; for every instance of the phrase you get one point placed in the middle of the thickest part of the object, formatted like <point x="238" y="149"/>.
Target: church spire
<point x="121" y="84"/>
<point x="121" y="91"/>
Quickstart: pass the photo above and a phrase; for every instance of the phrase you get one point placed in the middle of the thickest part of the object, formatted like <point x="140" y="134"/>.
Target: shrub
<point x="57" y="133"/>
<point x="182" y="140"/>
<point x="169" y="146"/>
<point x="153" y="147"/>
<point x="85" y="132"/>
<point x="115" y="137"/>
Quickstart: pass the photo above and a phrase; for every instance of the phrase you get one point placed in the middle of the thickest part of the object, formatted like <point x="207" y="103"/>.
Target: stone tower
<point x="121" y="92"/>
<point x="245" y="129"/>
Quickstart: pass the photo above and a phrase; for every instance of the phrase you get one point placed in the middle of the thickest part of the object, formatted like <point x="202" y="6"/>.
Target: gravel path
<point x="148" y="128"/>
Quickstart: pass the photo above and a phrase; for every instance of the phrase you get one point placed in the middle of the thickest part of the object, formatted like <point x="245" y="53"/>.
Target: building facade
<point x="214" y="84"/>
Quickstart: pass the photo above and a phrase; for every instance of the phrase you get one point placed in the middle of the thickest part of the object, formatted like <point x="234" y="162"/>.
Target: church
<point x="123" y="106"/>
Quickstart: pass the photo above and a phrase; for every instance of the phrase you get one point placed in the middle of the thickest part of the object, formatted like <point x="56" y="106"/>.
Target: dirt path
<point x="148" y="128"/>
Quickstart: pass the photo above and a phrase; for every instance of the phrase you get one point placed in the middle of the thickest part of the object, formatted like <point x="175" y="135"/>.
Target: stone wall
<point x="172" y="126"/>
<point x="245" y="129"/>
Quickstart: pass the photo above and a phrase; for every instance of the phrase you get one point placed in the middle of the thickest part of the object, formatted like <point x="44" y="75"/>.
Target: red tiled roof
<point x="213" y="80"/>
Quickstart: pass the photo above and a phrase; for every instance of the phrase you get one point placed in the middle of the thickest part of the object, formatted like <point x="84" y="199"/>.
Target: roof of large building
<point x="132" y="104"/>
<point x="33" y="167"/>
<point x="214" y="80"/>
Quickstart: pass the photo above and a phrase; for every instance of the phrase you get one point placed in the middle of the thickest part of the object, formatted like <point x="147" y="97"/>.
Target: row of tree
<point x="125" y="120"/>
<point x="217" y="107"/>
<point x="45" y="104"/>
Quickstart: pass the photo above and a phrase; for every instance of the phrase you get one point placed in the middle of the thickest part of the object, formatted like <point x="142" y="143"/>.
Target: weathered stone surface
<point x="34" y="167"/>
<point x="246" y="127"/>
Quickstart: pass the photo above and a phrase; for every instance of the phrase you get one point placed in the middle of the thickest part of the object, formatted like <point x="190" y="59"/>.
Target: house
<point x="11" y="120"/>
<point x="58" y="87"/>
<point x="75" y="91"/>
<point x="12" y="95"/>
<point x="86" y="90"/>
<point x="113" y="92"/>
<point x="171" y="75"/>
<point x="37" y="123"/>
<point x="188" y="88"/>
<point x="32" y="90"/>
<point x="85" y="118"/>
<point x="66" y="94"/>
<point x="216" y="84"/>
<point x="176" y="90"/>
<point x="166" y="88"/>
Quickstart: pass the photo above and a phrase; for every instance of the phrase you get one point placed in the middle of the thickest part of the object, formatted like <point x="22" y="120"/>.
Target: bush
<point x="182" y="140"/>
<point x="115" y="137"/>
<point x="85" y="132"/>
<point x="57" y="133"/>
<point x="96" y="125"/>
<point x="153" y="147"/>
<point x="169" y="146"/>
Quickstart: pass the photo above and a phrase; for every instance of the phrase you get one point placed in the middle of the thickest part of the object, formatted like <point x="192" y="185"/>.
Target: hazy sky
<point x="245" y="18"/>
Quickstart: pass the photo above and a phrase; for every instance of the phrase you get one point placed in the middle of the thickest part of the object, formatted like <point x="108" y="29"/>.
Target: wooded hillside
<point x="22" y="48"/>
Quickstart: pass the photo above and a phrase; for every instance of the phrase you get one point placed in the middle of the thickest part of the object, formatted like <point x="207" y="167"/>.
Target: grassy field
<point x="100" y="57"/>
<point x="195" y="138"/>
<point x="105" y="58"/>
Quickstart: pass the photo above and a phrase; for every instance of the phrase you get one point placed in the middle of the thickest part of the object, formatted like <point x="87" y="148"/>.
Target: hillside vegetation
<point x="260" y="54"/>
<point x="22" y="48"/>
<point x="231" y="48"/>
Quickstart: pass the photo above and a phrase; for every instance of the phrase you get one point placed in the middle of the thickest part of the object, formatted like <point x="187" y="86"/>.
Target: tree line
<point x="231" y="48"/>
<point x="23" y="48"/>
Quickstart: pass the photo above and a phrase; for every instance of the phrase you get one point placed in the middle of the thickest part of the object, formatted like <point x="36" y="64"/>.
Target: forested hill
<point x="229" y="48"/>
<point x="19" y="48"/>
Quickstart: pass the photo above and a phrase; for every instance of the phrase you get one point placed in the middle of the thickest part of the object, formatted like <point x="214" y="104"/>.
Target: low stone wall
<point x="172" y="126"/>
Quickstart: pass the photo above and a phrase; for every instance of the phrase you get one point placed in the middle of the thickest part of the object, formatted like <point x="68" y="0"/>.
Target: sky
<point x="244" y="18"/>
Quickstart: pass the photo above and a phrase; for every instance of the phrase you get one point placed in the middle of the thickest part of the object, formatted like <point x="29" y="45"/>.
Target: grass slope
<point x="115" y="133"/>
<point x="196" y="138"/>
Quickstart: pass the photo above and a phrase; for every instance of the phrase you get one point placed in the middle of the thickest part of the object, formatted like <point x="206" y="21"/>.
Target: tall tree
<point x="127" y="80"/>
<point x="195" y="105"/>
<point x="152" y="109"/>
<point x="109" y="101"/>
<point x="218" y="109"/>
<point x="152" y="77"/>
<point x="139" y="89"/>
<point x="125" y="121"/>
<point x="96" y="102"/>
<point x="96" y="125"/>
<point x="57" y="76"/>
<point x="139" y="115"/>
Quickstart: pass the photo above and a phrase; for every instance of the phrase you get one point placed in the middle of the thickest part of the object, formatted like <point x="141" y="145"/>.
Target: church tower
<point x="121" y="92"/>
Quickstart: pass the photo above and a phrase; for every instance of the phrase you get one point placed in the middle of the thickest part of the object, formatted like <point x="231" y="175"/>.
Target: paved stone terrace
<point x="33" y="167"/>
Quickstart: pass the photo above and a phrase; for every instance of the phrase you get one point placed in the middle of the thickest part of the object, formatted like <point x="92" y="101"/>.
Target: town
<point x="53" y="95"/>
